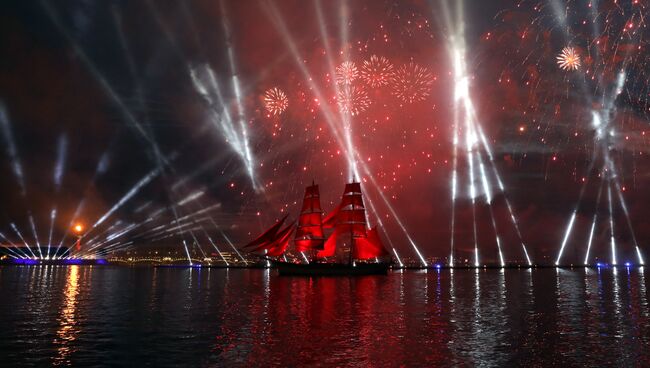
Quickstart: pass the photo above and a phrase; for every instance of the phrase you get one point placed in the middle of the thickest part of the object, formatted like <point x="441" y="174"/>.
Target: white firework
<point x="346" y="73"/>
<point x="377" y="71"/>
<point x="275" y="101"/>
<point x="352" y="100"/>
<point x="569" y="59"/>
<point x="412" y="83"/>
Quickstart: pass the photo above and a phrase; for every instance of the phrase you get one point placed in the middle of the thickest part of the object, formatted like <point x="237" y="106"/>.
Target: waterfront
<point x="83" y="315"/>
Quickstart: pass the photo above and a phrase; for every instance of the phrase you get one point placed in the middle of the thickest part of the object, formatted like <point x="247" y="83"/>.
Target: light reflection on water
<point x="68" y="329"/>
<point x="81" y="315"/>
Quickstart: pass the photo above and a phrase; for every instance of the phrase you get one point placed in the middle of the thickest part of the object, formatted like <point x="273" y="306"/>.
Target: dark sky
<point x="110" y="93"/>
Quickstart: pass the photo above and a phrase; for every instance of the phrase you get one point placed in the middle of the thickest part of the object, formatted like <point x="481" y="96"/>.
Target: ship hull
<point x="330" y="269"/>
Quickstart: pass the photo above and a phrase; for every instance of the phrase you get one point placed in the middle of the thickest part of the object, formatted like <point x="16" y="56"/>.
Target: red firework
<point x="377" y="71"/>
<point x="412" y="83"/>
<point x="275" y="101"/>
<point x="352" y="100"/>
<point x="346" y="73"/>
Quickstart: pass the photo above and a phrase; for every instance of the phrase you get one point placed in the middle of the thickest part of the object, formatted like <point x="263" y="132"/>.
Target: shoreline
<point x="434" y="267"/>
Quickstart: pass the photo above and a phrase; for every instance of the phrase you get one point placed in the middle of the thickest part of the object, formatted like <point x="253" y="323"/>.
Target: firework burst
<point x="377" y="71"/>
<point x="346" y="73"/>
<point x="569" y="59"/>
<point x="412" y="83"/>
<point x="353" y="100"/>
<point x="275" y="101"/>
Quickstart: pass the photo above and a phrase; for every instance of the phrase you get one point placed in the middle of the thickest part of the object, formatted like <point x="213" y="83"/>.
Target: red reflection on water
<point x="334" y="321"/>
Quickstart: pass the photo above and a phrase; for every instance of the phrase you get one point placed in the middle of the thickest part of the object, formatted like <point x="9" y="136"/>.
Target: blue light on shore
<point x="65" y="262"/>
<point x="26" y="261"/>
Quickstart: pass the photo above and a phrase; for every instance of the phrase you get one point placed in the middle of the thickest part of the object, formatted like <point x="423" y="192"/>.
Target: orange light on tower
<point x="78" y="230"/>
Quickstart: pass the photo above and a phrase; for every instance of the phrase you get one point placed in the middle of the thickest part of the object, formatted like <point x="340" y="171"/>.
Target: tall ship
<point x="339" y="244"/>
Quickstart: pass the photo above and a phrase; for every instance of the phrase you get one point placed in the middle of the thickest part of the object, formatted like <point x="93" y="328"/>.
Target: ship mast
<point x="353" y="215"/>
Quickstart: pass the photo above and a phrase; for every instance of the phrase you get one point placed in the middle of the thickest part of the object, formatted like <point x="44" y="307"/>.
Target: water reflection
<point x="68" y="328"/>
<point x="183" y="317"/>
<point x="618" y="306"/>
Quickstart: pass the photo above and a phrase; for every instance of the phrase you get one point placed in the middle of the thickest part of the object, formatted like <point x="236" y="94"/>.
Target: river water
<point x="121" y="316"/>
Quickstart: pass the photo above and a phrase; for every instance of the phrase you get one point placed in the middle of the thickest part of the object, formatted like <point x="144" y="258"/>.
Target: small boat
<point x="350" y="248"/>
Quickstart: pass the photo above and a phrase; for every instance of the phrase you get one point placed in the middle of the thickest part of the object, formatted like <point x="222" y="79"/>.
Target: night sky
<point x="98" y="97"/>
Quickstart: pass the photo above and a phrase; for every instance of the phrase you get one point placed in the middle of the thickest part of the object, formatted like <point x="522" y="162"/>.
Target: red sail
<point x="351" y="217"/>
<point x="357" y="230"/>
<point x="348" y="219"/>
<point x="311" y="202"/>
<point x="351" y="210"/>
<point x="310" y="219"/>
<point x="309" y="234"/>
<point x="353" y="188"/>
<point x="279" y="246"/>
<point x="330" y="220"/>
<point x="273" y="243"/>
<point x="268" y="236"/>
<point x="356" y="216"/>
<point x="262" y="247"/>
<point x="352" y="199"/>
<point x="330" y="246"/>
<point x="370" y="247"/>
